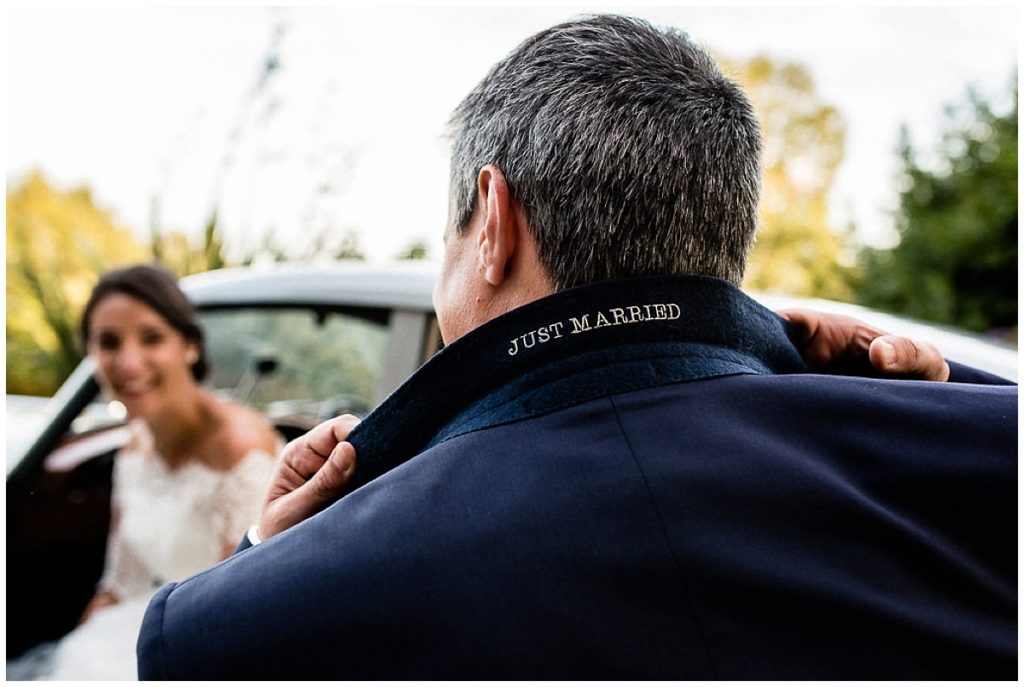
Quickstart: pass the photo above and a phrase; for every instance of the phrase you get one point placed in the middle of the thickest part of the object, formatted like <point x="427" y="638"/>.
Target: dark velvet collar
<point x="573" y="346"/>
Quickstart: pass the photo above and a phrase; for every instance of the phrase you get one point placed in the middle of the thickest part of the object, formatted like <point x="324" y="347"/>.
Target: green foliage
<point x="956" y="260"/>
<point x="58" y="243"/>
<point x="796" y="251"/>
<point x="417" y="250"/>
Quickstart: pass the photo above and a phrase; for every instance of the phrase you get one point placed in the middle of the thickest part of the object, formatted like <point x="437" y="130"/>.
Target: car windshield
<point x="297" y="363"/>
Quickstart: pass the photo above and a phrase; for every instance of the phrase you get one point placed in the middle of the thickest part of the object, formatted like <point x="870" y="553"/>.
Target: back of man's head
<point x="629" y="150"/>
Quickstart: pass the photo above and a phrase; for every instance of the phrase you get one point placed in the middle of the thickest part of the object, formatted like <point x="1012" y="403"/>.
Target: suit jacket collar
<point x="570" y="347"/>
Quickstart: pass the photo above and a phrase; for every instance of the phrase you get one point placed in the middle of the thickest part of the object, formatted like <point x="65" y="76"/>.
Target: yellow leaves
<point x="176" y="252"/>
<point x="178" y="255"/>
<point x="796" y="251"/>
<point x="801" y="259"/>
<point x="58" y="243"/>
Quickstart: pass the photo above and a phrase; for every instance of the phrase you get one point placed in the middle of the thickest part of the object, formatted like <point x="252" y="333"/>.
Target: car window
<point x="297" y="363"/>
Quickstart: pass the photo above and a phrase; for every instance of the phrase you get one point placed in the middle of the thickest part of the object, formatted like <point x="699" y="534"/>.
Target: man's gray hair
<point x="631" y="153"/>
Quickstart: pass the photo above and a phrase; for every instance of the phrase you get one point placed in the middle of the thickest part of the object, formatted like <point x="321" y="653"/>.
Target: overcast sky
<point x="345" y="134"/>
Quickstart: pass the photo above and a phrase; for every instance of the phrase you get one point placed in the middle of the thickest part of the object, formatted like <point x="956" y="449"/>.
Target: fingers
<point x="830" y="338"/>
<point x="898" y="355"/>
<point x="329" y="483"/>
<point x="303" y="457"/>
<point x="322" y="439"/>
<point x="290" y="506"/>
<point x="807" y="319"/>
<point x="312" y="472"/>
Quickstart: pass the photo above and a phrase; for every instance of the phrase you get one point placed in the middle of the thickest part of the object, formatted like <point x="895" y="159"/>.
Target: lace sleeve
<point x="240" y="497"/>
<point x="124" y="575"/>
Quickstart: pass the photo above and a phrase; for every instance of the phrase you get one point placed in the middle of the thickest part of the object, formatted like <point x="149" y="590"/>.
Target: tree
<point x="58" y="243"/>
<point x="418" y="249"/>
<point x="796" y="251"/>
<point x="956" y="260"/>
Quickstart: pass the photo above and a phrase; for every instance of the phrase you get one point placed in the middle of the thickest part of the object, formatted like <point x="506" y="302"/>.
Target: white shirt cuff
<point x="253" y="535"/>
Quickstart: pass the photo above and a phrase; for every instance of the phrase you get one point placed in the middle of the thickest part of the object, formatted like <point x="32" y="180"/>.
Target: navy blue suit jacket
<point x="668" y="495"/>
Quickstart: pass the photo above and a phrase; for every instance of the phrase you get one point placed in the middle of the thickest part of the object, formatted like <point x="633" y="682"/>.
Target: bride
<point x="188" y="483"/>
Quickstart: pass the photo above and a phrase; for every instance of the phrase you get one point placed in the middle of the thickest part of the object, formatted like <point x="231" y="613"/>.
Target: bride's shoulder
<point x="243" y="432"/>
<point x="139" y="444"/>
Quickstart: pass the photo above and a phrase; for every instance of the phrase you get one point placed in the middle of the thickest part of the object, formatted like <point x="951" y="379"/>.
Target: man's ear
<point x="498" y="238"/>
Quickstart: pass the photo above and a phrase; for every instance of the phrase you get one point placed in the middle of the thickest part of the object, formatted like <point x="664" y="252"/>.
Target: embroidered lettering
<point x="629" y="314"/>
<point x="551" y="331"/>
<point x="535" y="336"/>
<point x="581" y="325"/>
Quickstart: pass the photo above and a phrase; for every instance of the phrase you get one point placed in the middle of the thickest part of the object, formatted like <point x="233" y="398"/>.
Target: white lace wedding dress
<point x="167" y="524"/>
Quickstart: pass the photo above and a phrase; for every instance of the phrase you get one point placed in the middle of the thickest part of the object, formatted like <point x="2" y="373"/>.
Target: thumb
<point x="329" y="482"/>
<point x="898" y="355"/>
